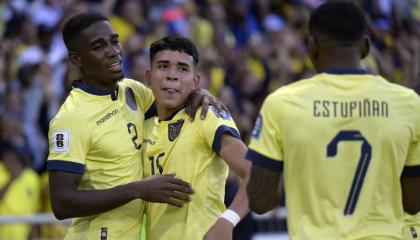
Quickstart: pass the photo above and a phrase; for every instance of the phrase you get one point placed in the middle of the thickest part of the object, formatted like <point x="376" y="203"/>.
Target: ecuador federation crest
<point x="174" y="129"/>
<point x="130" y="99"/>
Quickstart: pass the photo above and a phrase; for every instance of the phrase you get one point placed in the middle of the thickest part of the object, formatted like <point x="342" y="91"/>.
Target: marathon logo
<point x="104" y="233"/>
<point x="413" y="232"/>
<point x="106" y="117"/>
<point x="148" y="141"/>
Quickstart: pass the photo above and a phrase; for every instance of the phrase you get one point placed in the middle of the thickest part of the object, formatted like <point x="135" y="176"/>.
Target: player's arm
<point x="69" y="202"/>
<point x="198" y="98"/>
<point x="265" y="152"/>
<point x="410" y="182"/>
<point x="263" y="189"/>
<point x="233" y="151"/>
<point x="410" y="177"/>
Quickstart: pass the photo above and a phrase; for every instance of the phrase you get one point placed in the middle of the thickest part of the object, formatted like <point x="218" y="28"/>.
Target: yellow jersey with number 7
<point x="342" y="140"/>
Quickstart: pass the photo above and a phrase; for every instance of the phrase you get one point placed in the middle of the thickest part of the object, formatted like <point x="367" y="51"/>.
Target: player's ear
<point x="313" y="50"/>
<point x="75" y="59"/>
<point x="196" y="81"/>
<point x="364" y="51"/>
<point x="148" y="77"/>
<point x="312" y="47"/>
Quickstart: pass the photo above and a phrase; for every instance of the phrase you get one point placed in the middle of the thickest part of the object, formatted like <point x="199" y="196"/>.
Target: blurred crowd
<point x="248" y="48"/>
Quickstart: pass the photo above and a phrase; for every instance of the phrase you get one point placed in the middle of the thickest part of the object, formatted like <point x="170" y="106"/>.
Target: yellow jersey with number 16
<point x="189" y="149"/>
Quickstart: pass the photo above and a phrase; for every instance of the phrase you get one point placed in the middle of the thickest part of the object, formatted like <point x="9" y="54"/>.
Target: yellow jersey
<point x="99" y="135"/>
<point x="343" y="140"/>
<point x="189" y="149"/>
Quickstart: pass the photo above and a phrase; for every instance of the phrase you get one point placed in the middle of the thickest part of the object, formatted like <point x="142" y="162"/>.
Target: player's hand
<point x="202" y="97"/>
<point x="164" y="189"/>
<point x="221" y="230"/>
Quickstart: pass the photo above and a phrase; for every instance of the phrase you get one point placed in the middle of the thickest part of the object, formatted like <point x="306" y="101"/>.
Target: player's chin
<point x="170" y="103"/>
<point x="117" y="76"/>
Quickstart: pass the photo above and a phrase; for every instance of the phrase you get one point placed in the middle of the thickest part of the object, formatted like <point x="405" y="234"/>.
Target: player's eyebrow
<point x="162" y="61"/>
<point x="183" y="64"/>
<point x="179" y="64"/>
<point x="99" y="40"/>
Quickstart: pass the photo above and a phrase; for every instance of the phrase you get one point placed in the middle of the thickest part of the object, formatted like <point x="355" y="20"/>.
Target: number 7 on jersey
<point x="362" y="166"/>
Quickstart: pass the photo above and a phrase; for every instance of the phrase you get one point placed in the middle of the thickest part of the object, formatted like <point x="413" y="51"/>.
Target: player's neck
<point x="165" y="114"/>
<point x="337" y="62"/>
<point x="100" y="86"/>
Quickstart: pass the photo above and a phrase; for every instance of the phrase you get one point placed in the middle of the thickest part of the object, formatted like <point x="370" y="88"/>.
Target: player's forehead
<point x="173" y="56"/>
<point x="96" y="31"/>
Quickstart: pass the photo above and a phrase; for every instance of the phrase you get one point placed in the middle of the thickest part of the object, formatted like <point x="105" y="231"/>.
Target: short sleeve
<point x="215" y="125"/>
<point x="266" y="148"/>
<point x="69" y="141"/>
<point x="412" y="167"/>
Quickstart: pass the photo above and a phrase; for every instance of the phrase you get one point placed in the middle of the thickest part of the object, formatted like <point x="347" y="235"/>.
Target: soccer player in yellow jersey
<point x="346" y="142"/>
<point x="199" y="152"/>
<point x="94" y="161"/>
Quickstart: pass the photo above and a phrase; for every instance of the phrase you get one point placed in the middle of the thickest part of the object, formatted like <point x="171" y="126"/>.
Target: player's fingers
<point x="180" y="196"/>
<point x="181" y="185"/>
<point x="188" y="110"/>
<point x="182" y="188"/>
<point x="169" y="174"/>
<point x="173" y="202"/>
<point x="224" y="108"/>
<point x="214" y="101"/>
<point x="193" y="103"/>
<point x="204" y="107"/>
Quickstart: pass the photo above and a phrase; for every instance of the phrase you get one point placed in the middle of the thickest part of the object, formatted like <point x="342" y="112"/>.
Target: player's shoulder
<point x="137" y="88"/>
<point x="213" y="119"/>
<point x="290" y="91"/>
<point x="400" y="90"/>
<point x="406" y="96"/>
<point x="128" y="82"/>
<point x="69" y="113"/>
<point x="297" y="87"/>
<point x="214" y="114"/>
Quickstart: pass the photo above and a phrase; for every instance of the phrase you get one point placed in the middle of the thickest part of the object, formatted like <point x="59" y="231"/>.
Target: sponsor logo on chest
<point x="106" y="117"/>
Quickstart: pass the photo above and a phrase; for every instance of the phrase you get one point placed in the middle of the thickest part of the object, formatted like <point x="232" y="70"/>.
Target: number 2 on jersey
<point x="134" y="138"/>
<point x="362" y="166"/>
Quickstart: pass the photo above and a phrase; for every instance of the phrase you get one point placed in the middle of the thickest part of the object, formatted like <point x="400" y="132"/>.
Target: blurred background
<point x="248" y="48"/>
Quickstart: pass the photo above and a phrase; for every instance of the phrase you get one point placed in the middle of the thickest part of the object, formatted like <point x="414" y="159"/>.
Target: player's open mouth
<point x="115" y="67"/>
<point x="170" y="90"/>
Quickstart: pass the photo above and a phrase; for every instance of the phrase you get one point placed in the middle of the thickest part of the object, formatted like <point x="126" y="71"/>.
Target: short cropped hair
<point x="77" y="24"/>
<point x="174" y="43"/>
<point x="341" y="21"/>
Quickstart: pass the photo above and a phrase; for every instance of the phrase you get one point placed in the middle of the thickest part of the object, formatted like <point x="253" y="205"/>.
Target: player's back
<point x="345" y="141"/>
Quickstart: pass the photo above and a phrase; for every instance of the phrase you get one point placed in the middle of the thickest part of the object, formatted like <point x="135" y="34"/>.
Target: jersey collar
<point x="79" y="84"/>
<point x="346" y="71"/>
<point x="170" y="117"/>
